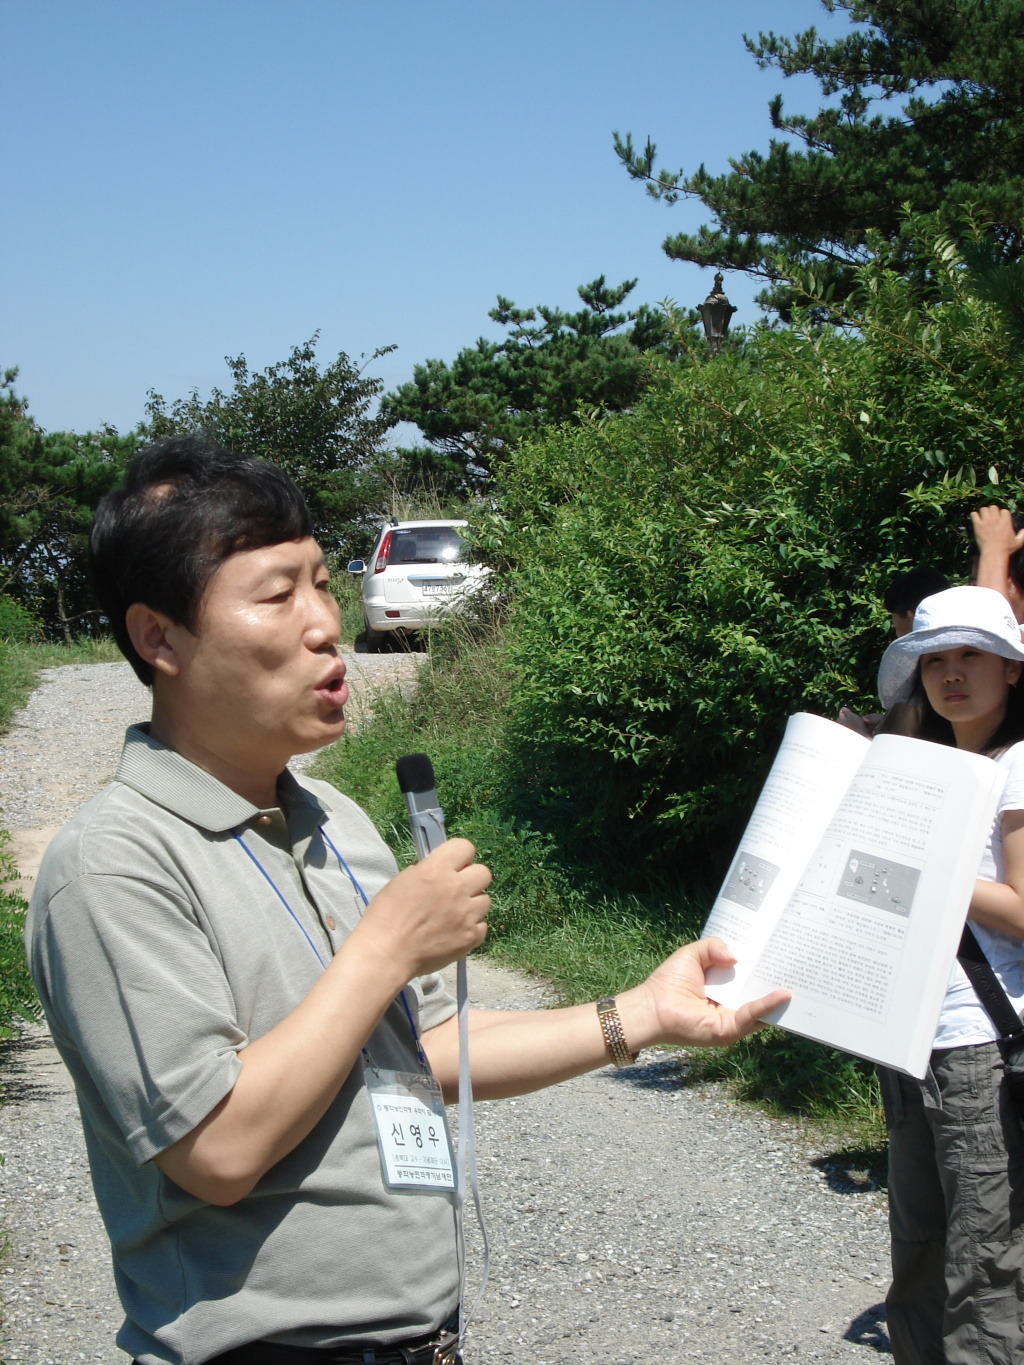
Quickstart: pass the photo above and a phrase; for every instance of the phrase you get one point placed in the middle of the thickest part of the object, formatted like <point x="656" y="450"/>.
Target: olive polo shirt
<point x="173" y="922"/>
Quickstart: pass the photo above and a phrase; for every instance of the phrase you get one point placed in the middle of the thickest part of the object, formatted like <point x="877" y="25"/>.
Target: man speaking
<point x="242" y="985"/>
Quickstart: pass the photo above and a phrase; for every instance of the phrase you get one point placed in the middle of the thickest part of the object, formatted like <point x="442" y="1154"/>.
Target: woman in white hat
<point x="956" y="1150"/>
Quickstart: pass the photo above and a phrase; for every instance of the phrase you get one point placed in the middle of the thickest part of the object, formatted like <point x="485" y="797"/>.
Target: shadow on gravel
<point x="666" y="1073"/>
<point x="869" y="1330"/>
<point x="855" y="1170"/>
<point x="26" y="1065"/>
<point x="392" y="642"/>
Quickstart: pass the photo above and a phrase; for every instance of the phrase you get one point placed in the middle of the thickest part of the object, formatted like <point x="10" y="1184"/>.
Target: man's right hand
<point x="434" y="912"/>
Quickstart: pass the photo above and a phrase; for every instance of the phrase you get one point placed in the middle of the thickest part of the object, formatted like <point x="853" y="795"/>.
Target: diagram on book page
<point x="749" y="881"/>
<point x="880" y="882"/>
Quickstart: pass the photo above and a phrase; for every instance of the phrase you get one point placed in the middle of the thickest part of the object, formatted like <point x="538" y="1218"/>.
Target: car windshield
<point x="426" y="545"/>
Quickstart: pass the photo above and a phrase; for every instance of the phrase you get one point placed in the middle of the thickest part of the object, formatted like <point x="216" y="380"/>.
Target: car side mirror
<point x="356" y="566"/>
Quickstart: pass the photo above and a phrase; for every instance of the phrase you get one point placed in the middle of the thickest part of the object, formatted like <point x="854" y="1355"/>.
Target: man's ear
<point x="152" y="633"/>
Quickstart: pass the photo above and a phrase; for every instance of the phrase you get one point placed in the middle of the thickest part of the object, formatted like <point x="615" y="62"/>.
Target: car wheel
<point x="374" y="638"/>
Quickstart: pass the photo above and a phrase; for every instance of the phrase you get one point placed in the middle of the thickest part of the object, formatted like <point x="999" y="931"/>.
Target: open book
<point x="851" y="887"/>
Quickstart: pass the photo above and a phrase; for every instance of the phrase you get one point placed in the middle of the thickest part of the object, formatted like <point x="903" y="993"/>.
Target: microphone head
<point x="415" y="773"/>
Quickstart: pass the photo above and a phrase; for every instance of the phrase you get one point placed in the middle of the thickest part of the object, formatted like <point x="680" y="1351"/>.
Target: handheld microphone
<point x="426" y="818"/>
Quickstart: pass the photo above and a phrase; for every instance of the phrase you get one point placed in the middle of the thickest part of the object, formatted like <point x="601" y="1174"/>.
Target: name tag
<point x="412" y="1135"/>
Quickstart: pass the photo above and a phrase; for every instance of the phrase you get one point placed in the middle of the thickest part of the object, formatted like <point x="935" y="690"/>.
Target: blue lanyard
<point x="343" y="865"/>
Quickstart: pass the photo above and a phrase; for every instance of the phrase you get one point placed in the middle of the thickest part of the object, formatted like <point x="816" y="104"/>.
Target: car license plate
<point x="439" y="587"/>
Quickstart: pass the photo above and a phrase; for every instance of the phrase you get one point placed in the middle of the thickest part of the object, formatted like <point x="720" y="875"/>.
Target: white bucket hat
<point x="979" y="618"/>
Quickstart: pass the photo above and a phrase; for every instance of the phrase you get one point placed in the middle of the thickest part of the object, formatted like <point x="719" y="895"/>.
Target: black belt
<point x="440" y="1348"/>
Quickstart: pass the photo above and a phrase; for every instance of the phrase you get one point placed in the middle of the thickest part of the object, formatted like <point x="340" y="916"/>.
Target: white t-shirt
<point x="963" y="1021"/>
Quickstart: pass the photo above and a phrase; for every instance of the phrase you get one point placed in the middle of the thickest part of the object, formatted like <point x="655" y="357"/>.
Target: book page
<point x="811" y="772"/>
<point x="867" y="939"/>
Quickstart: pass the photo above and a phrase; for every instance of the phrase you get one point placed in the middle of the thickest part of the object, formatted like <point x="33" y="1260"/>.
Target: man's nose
<point x="323" y="624"/>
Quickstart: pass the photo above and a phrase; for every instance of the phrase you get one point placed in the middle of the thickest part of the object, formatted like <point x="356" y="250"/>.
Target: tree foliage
<point x="318" y="424"/>
<point x="549" y="364"/>
<point x="50" y="484"/>
<point x="955" y="71"/>
<point x="687" y="574"/>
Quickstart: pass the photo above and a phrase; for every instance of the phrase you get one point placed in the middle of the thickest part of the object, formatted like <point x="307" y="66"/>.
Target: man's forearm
<point x="424" y="918"/>
<point x="512" y="1052"/>
<point x="515" y="1051"/>
<point x="288" y="1079"/>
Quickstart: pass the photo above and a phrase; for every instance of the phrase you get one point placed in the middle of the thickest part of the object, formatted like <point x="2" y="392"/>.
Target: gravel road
<point x="634" y="1216"/>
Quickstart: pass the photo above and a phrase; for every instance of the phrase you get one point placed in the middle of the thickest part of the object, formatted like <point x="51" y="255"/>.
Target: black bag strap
<point x="994" y="999"/>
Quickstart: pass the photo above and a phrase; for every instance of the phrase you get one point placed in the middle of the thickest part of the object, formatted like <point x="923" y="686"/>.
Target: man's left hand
<point x="678" y="1009"/>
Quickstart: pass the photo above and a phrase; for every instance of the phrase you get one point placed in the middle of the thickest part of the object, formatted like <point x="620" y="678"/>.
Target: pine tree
<point x="926" y="112"/>
<point x="550" y="362"/>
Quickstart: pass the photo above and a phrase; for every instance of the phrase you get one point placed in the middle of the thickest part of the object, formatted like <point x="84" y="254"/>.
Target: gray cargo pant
<point x="956" y="1213"/>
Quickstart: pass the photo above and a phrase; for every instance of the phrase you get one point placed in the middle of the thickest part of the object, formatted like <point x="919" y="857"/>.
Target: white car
<point x="415" y="573"/>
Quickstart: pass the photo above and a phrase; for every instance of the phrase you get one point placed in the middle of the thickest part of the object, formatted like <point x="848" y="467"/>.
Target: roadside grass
<point x="18" y="999"/>
<point x="789" y="1075"/>
<point x="562" y="922"/>
<point x="20" y="665"/>
<point x="348" y="593"/>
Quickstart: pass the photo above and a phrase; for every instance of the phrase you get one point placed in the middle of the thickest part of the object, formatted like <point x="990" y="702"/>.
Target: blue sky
<point x="190" y="179"/>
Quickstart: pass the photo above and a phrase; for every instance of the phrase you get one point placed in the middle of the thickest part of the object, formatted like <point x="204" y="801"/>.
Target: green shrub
<point x="17" y="623"/>
<point x="347" y="591"/>
<point x="686" y="575"/>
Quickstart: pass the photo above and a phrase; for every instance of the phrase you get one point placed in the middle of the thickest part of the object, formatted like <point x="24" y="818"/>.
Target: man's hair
<point x="908" y="590"/>
<point x="185" y="506"/>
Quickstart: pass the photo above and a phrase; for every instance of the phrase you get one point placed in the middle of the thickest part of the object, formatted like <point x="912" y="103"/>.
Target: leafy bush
<point x="545" y="918"/>
<point x="17" y="623"/>
<point x="686" y="575"/>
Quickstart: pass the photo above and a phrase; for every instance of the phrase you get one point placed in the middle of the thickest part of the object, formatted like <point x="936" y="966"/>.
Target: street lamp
<point x="715" y="312"/>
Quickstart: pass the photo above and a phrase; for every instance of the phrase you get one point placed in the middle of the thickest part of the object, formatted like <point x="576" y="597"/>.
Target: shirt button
<point x="264" y="819"/>
<point x="331" y="923"/>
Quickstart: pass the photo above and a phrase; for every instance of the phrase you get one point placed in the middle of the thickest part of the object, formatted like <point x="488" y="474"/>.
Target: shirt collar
<point x="174" y="782"/>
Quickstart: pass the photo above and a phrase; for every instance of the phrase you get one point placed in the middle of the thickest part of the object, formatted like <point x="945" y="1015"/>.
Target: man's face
<point x="902" y="622"/>
<point x="260" y="679"/>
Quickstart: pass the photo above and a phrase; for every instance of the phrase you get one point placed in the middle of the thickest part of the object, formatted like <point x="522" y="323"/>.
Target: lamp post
<point x="715" y="312"/>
